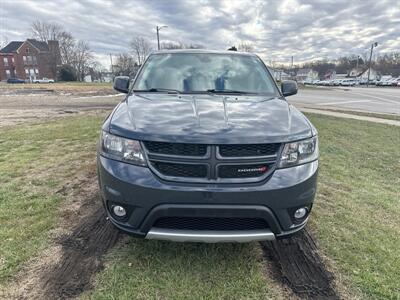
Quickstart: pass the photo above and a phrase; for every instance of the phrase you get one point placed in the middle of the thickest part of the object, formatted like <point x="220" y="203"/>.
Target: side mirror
<point x="121" y="84"/>
<point x="289" y="87"/>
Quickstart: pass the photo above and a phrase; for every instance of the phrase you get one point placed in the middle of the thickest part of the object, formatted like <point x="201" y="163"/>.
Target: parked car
<point x="336" y="82"/>
<point x="15" y="80"/>
<point x="43" y="80"/>
<point x="384" y="80"/>
<point x="395" y="81"/>
<point x="308" y="82"/>
<point x="323" y="82"/>
<point x="348" y="82"/>
<point x="206" y="148"/>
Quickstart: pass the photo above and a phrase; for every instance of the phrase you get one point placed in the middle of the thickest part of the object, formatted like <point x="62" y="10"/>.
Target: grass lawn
<point x="35" y="161"/>
<point x="144" y="269"/>
<point x="355" y="217"/>
<point x="364" y="114"/>
<point x="356" y="214"/>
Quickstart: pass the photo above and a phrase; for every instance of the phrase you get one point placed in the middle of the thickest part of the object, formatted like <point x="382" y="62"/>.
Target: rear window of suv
<point x="201" y="72"/>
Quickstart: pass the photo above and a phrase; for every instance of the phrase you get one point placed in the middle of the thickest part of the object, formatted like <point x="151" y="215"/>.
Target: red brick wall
<point x="41" y="63"/>
<point x="4" y="67"/>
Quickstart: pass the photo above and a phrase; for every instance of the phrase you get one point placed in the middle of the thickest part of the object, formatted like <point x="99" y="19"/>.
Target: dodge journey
<point x="205" y="148"/>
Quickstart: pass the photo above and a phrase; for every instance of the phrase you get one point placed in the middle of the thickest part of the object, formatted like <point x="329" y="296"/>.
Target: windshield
<point x="205" y="72"/>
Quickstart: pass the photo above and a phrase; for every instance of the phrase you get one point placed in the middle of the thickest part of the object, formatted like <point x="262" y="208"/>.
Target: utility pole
<point x="370" y="57"/>
<point x="112" y="67"/>
<point x="291" y="70"/>
<point x="158" y="28"/>
<point x="358" y="57"/>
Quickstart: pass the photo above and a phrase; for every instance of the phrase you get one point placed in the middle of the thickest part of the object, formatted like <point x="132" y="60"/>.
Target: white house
<point x="374" y="75"/>
<point x="306" y="75"/>
<point x="279" y="74"/>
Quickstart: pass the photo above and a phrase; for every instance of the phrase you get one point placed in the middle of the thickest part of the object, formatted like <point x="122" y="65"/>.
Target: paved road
<point x="375" y="100"/>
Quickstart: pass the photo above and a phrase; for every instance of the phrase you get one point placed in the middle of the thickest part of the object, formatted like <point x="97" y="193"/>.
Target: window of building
<point x="12" y="59"/>
<point x="34" y="60"/>
<point x="27" y="50"/>
<point x="36" y="71"/>
<point x="8" y="74"/>
<point x="5" y="60"/>
<point x="24" y="59"/>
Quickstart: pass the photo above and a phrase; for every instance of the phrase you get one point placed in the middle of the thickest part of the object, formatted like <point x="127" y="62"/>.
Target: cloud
<point x="277" y="29"/>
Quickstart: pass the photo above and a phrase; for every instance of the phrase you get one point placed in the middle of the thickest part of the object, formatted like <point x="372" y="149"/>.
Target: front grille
<point x="246" y="150"/>
<point x="204" y="163"/>
<point x="242" y="171"/>
<point x="176" y="148"/>
<point x="199" y="223"/>
<point x="180" y="170"/>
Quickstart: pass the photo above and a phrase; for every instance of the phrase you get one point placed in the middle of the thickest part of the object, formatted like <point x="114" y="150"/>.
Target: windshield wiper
<point x="225" y="91"/>
<point x="157" y="90"/>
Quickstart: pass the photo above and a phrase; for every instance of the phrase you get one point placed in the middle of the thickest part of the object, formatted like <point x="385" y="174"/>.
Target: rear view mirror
<point x="289" y="87"/>
<point x="121" y="84"/>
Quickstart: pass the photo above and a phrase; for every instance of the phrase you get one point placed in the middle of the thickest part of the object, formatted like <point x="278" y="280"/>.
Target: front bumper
<point x="147" y="198"/>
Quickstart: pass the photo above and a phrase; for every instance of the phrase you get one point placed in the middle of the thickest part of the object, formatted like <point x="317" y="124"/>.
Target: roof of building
<point x="41" y="46"/>
<point x="14" y="46"/>
<point x="11" y="47"/>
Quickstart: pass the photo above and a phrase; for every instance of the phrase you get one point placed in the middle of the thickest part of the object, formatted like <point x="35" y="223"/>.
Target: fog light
<point x="119" y="211"/>
<point x="300" y="213"/>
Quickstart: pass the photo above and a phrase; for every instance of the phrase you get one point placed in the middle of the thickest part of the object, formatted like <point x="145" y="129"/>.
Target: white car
<point x="396" y="82"/>
<point x="348" y="82"/>
<point x="43" y="80"/>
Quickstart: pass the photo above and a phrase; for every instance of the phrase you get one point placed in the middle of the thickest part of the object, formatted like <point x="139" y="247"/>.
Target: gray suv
<point x="205" y="148"/>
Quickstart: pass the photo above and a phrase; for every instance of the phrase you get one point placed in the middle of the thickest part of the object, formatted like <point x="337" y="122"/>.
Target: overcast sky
<point x="277" y="29"/>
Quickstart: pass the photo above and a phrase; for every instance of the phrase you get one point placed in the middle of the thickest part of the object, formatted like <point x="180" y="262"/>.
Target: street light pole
<point x="370" y="57"/>
<point x="158" y="28"/>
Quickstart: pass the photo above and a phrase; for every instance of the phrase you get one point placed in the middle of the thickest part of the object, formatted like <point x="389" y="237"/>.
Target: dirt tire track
<point x="298" y="265"/>
<point x="82" y="253"/>
<point x="83" y="236"/>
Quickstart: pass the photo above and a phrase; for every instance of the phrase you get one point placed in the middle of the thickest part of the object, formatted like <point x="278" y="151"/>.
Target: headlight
<point x="122" y="149"/>
<point x="300" y="152"/>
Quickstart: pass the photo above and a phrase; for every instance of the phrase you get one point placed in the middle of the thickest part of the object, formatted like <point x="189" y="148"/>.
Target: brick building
<point x="30" y="59"/>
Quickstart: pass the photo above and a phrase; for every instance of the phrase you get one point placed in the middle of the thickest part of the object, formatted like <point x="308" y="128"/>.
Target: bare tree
<point x="82" y="57"/>
<point x="125" y="65"/>
<point x="245" y="47"/>
<point x="67" y="44"/>
<point x="180" y="45"/>
<point x="171" y="45"/>
<point x="44" y="31"/>
<point x="141" y="49"/>
<point x="3" y="41"/>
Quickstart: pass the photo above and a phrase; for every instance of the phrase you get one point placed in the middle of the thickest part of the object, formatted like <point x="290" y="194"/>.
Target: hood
<point x="208" y="119"/>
